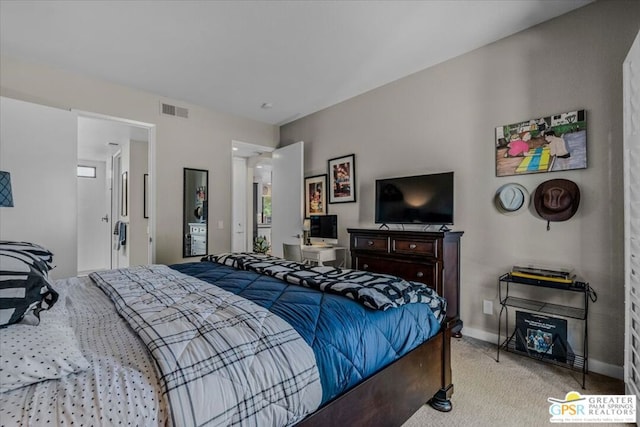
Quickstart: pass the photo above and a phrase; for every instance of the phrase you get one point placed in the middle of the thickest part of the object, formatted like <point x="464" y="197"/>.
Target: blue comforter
<point x="350" y="342"/>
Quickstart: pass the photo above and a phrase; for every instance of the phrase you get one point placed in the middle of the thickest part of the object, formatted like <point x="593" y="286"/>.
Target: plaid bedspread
<point x="373" y="290"/>
<point x="223" y="359"/>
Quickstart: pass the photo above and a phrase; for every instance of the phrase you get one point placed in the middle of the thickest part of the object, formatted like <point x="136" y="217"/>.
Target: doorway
<point x="251" y="168"/>
<point x="93" y="216"/>
<point x="274" y="209"/>
<point x="115" y="208"/>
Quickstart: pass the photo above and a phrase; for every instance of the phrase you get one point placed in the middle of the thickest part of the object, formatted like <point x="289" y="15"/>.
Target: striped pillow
<point x="24" y="289"/>
<point x="43" y="258"/>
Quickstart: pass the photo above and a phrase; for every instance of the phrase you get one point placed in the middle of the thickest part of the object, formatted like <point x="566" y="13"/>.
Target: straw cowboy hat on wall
<point x="511" y="199"/>
<point x="556" y="200"/>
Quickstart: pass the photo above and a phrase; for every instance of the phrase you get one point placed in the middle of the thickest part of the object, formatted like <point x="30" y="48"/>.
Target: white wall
<point x="138" y="224"/>
<point x="444" y="118"/>
<point x="38" y="147"/>
<point x="203" y="141"/>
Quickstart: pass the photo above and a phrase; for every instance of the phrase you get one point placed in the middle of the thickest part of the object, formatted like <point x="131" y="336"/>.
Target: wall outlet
<point x="487" y="307"/>
<point x="220" y="225"/>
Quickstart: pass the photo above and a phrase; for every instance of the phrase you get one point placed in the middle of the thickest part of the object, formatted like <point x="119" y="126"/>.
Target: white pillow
<point x="30" y="354"/>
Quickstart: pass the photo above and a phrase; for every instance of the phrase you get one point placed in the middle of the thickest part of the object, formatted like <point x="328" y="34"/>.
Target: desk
<point x="322" y="254"/>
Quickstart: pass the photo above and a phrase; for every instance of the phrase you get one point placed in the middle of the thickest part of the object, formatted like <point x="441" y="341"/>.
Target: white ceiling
<point x="233" y="56"/>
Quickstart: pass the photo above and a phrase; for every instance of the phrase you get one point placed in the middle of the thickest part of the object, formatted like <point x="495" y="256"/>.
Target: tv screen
<point x="421" y="199"/>
<point x="323" y="226"/>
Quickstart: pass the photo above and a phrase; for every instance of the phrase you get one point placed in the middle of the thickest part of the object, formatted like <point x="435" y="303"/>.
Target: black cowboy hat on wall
<point x="556" y="200"/>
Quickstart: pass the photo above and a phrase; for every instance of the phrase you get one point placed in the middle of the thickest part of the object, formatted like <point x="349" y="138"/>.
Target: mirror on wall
<point x="195" y="212"/>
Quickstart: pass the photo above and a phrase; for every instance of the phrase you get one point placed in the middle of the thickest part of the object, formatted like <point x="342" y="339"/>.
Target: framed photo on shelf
<point x="315" y="195"/>
<point x="342" y="179"/>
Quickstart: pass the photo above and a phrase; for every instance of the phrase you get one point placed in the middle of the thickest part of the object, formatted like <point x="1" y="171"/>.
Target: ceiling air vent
<point x="172" y="110"/>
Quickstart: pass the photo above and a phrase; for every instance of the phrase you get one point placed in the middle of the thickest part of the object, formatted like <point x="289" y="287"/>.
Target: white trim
<point x="596" y="366"/>
<point x="631" y="150"/>
<point x="151" y="129"/>
<point x="250" y="146"/>
<point x="607" y="369"/>
<point x="481" y="335"/>
<point x="246" y="214"/>
<point x="92" y="115"/>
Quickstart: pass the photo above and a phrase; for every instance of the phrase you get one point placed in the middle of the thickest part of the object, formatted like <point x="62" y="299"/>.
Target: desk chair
<point x="292" y="252"/>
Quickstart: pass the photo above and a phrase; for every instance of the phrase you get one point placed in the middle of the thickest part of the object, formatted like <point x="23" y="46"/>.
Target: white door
<point x="93" y="218"/>
<point x="239" y="205"/>
<point x="287" y="196"/>
<point x="631" y="109"/>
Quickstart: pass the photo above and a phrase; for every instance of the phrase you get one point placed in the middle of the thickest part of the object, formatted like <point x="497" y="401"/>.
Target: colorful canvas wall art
<point x="545" y="144"/>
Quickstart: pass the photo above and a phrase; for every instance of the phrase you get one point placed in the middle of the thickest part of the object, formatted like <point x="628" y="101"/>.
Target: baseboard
<point x="480" y="335"/>
<point x="596" y="366"/>
<point x="607" y="369"/>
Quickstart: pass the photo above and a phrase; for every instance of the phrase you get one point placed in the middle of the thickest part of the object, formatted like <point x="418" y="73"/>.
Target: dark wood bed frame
<point x="393" y="394"/>
<point x="396" y="392"/>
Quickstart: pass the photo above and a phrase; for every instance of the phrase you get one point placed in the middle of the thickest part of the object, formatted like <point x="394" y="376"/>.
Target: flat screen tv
<point x="323" y="229"/>
<point x="420" y="199"/>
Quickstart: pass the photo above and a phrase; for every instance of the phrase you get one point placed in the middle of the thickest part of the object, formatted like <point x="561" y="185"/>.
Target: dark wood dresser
<point x="432" y="258"/>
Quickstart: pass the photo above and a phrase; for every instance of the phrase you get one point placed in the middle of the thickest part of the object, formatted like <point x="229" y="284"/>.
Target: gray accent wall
<point x="444" y="118"/>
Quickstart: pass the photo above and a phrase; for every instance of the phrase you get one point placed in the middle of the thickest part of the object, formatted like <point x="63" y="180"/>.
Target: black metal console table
<point x="577" y="362"/>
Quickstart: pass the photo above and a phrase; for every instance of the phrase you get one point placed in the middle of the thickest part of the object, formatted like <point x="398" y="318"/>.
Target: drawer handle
<point x="365" y="266"/>
<point x="419" y="274"/>
<point x="370" y="243"/>
<point x="412" y="246"/>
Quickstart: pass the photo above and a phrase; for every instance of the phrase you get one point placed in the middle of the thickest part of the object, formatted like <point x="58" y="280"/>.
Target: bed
<point x="140" y="365"/>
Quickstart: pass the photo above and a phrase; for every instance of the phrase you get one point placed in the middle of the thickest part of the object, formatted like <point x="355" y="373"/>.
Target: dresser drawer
<point x="432" y="258"/>
<point x="415" y="247"/>
<point x="425" y="273"/>
<point x="198" y="239"/>
<point x="380" y="244"/>
<point x="198" y="229"/>
<point x="198" y="245"/>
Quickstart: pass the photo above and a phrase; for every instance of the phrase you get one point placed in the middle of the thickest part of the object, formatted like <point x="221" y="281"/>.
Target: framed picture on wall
<point x="315" y="195"/>
<point x="545" y="144"/>
<point x="342" y="179"/>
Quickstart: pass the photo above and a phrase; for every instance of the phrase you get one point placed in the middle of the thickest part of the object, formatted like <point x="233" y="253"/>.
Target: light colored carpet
<point x="512" y="392"/>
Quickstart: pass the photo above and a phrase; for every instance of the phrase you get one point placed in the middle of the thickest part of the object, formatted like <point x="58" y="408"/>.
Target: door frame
<point x="151" y="130"/>
<point x="245" y="213"/>
<point x="631" y="145"/>
<point x="116" y="188"/>
<point x="107" y="196"/>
